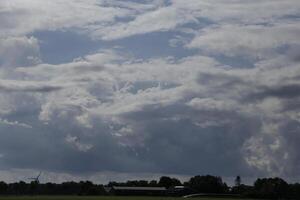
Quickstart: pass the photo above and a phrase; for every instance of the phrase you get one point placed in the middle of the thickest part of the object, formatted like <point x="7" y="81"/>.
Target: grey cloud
<point x="290" y="134"/>
<point x="145" y="121"/>
<point x="282" y="91"/>
<point x="109" y="111"/>
<point x="291" y="104"/>
<point x="219" y="79"/>
<point x="174" y="140"/>
<point x="148" y="127"/>
<point x="26" y="86"/>
<point x="293" y="52"/>
<point x="19" y="51"/>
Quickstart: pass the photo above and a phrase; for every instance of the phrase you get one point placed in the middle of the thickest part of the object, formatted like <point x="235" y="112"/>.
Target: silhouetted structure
<point x="179" y="191"/>
<point x="141" y="191"/>
<point x="36" y="179"/>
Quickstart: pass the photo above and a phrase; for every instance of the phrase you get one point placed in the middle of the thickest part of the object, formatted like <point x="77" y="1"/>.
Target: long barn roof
<point x="139" y="188"/>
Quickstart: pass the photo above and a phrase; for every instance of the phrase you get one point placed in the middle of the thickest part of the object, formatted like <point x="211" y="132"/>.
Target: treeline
<point x="164" y="181"/>
<point x="67" y="188"/>
<point x="268" y="188"/>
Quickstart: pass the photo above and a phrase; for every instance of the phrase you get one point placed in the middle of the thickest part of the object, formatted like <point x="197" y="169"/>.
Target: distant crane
<point x="36" y="179"/>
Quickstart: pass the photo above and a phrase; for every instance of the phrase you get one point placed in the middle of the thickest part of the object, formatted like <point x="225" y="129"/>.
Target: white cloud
<point x="192" y="11"/>
<point x="14" y="123"/>
<point x="27" y="86"/>
<point x="239" y="11"/>
<point x="162" y="19"/>
<point x="210" y="104"/>
<point x="22" y="17"/>
<point x="73" y="140"/>
<point x="249" y="41"/>
<point x="100" y="18"/>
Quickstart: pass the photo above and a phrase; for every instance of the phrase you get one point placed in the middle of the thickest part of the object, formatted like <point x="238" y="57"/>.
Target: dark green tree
<point x="207" y="184"/>
<point x="273" y="188"/>
<point x="168" y="182"/>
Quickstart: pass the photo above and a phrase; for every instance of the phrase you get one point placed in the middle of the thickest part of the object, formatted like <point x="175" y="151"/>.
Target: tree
<point x="207" y="184"/>
<point x="273" y="188"/>
<point x="153" y="183"/>
<point x="294" y="191"/>
<point x="238" y="181"/>
<point x="168" y="182"/>
<point x="3" y="188"/>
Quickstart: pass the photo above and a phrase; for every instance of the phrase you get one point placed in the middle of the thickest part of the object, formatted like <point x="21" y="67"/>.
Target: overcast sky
<point x="123" y="89"/>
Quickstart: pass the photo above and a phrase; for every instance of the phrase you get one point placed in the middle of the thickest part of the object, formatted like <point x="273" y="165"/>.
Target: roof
<point x="139" y="188"/>
<point x="179" y="187"/>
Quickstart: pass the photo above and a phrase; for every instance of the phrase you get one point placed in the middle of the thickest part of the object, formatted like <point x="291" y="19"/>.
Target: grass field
<point x="105" y="198"/>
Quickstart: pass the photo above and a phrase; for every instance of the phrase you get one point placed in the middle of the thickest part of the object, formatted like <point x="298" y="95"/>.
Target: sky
<point x="127" y="89"/>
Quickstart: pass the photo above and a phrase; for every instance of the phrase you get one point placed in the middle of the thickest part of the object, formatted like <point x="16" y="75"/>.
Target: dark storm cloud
<point x="170" y="146"/>
<point x="59" y="155"/>
<point x="177" y="142"/>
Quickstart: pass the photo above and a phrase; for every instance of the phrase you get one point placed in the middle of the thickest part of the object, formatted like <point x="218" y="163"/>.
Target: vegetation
<point x="266" y="188"/>
<point x="67" y="188"/>
<point x="269" y="188"/>
<point x="103" y="198"/>
<point x="207" y="184"/>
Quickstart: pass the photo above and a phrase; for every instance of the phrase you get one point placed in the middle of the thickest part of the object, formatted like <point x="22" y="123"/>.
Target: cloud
<point x="282" y="91"/>
<point x="231" y="102"/>
<point x="209" y="104"/>
<point x="115" y="19"/>
<point x="15" y="123"/>
<point x="249" y="41"/>
<point x="19" y="51"/>
<point x="58" y="14"/>
<point x="177" y="14"/>
<point x="241" y="12"/>
<point x="100" y="178"/>
<point x="162" y="19"/>
<point x="26" y="86"/>
<point x="129" y="99"/>
<point x="73" y="140"/>
<point x="122" y="99"/>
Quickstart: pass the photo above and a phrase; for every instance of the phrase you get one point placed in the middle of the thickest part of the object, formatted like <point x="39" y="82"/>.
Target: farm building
<point x="151" y="191"/>
<point x="179" y="191"/>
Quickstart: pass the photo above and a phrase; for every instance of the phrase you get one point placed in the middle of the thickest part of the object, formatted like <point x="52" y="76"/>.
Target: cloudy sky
<point x="112" y="89"/>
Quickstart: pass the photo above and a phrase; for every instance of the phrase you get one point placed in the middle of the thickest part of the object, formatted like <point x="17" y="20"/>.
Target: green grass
<point x="105" y="198"/>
